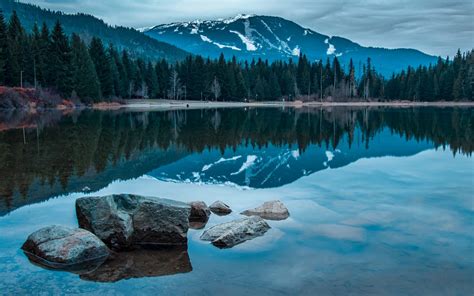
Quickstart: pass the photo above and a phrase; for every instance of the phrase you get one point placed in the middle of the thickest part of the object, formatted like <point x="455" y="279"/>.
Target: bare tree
<point x="216" y="89"/>
<point x="175" y="84"/>
<point x="144" y="90"/>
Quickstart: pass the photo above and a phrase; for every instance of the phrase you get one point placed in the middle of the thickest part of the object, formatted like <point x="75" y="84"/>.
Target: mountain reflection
<point x="49" y="154"/>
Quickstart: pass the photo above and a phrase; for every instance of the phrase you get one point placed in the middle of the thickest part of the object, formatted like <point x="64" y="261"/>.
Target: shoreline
<point x="170" y="104"/>
<point x="160" y="105"/>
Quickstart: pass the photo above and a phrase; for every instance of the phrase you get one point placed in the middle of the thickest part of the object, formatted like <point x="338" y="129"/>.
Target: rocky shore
<point x="126" y="236"/>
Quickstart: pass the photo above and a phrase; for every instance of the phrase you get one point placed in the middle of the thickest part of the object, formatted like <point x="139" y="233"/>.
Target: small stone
<point x="270" y="210"/>
<point x="232" y="233"/>
<point x="199" y="211"/>
<point x="220" y="208"/>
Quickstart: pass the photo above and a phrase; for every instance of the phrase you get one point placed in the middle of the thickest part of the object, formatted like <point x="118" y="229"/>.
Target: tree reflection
<point x="53" y="153"/>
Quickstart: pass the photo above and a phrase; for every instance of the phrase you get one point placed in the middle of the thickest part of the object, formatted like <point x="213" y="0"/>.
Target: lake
<point x="380" y="199"/>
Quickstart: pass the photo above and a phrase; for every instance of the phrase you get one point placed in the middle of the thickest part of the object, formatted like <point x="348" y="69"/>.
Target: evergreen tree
<point x="59" y="66"/>
<point x="116" y="69"/>
<point x="85" y="81"/>
<point x="16" y="38"/>
<point x="303" y="75"/>
<point x="152" y="81"/>
<point x="42" y="63"/>
<point x="3" y="48"/>
<point x="103" y="67"/>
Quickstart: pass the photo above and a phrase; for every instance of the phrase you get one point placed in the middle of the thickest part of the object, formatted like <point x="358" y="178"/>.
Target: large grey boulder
<point x="126" y="221"/>
<point x="220" y="208"/>
<point x="61" y="247"/>
<point x="270" y="210"/>
<point x="232" y="233"/>
<point x="142" y="263"/>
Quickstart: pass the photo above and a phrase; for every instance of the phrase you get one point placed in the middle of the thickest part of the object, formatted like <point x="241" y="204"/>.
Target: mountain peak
<point x="236" y="18"/>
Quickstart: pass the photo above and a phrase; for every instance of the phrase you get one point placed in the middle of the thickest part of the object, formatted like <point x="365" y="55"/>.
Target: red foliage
<point x="30" y="98"/>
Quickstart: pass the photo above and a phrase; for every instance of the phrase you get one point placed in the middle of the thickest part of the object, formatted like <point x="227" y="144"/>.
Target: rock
<point x="220" y="208"/>
<point x="232" y="233"/>
<point x="60" y="247"/>
<point x="142" y="263"/>
<point x="199" y="212"/>
<point x="126" y="221"/>
<point x="197" y="224"/>
<point x="270" y="210"/>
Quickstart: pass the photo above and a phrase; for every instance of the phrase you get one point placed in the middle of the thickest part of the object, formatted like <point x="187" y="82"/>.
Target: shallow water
<point x="380" y="200"/>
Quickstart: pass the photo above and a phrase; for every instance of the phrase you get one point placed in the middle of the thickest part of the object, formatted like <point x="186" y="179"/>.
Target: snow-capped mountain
<point x="273" y="38"/>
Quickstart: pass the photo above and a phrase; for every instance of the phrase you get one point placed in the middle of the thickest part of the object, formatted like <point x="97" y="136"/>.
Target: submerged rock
<point x="60" y="247"/>
<point x="125" y="221"/>
<point x="220" y="208"/>
<point x="232" y="233"/>
<point x="270" y="210"/>
<point x="142" y="263"/>
<point x="199" y="214"/>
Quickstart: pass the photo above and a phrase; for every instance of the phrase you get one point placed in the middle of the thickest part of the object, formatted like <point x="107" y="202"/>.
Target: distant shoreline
<point x="170" y="104"/>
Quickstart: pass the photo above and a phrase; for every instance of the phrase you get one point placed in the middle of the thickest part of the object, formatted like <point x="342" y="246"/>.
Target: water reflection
<point x="136" y="263"/>
<point x="141" y="263"/>
<point x="44" y="155"/>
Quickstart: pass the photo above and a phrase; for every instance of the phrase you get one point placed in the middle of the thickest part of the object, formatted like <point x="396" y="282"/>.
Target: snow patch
<point x="329" y="155"/>
<point x="206" y="167"/>
<point x="206" y="39"/>
<point x="331" y="49"/>
<point x="144" y="29"/>
<point x="247" y="164"/>
<point x="295" y="154"/>
<point x="296" y="51"/>
<point x="236" y="18"/>
<point x="194" y="31"/>
<point x="245" y="40"/>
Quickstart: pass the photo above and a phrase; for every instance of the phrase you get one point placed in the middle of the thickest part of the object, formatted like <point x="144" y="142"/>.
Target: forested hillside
<point x="93" y="72"/>
<point x="87" y="27"/>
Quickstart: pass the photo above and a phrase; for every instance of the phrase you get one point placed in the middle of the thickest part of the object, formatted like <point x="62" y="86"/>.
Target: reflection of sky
<point x="380" y="225"/>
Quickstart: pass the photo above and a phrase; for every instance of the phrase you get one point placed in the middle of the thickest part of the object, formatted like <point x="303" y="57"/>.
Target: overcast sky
<point x="437" y="27"/>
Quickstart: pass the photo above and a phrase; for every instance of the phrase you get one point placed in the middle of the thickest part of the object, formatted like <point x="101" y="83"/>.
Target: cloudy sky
<point x="437" y="27"/>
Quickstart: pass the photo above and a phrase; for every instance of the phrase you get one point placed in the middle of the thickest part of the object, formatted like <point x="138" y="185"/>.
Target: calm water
<point x="381" y="200"/>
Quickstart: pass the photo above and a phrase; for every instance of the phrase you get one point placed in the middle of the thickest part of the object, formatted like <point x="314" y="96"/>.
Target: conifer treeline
<point x="94" y="72"/>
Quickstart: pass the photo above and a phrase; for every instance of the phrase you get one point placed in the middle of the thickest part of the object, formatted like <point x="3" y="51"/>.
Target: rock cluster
<point x="127" y="223"/>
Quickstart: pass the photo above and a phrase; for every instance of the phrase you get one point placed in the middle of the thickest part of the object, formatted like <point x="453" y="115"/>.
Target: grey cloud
<point x="437" y="27"/>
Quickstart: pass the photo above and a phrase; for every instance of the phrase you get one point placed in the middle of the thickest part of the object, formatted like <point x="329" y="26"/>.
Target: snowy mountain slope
<point x="273" y="38"/>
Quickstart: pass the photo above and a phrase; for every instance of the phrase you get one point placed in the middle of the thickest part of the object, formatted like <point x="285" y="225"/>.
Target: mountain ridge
<point x="88" y="26"/>
<point x="250" y="36"/>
